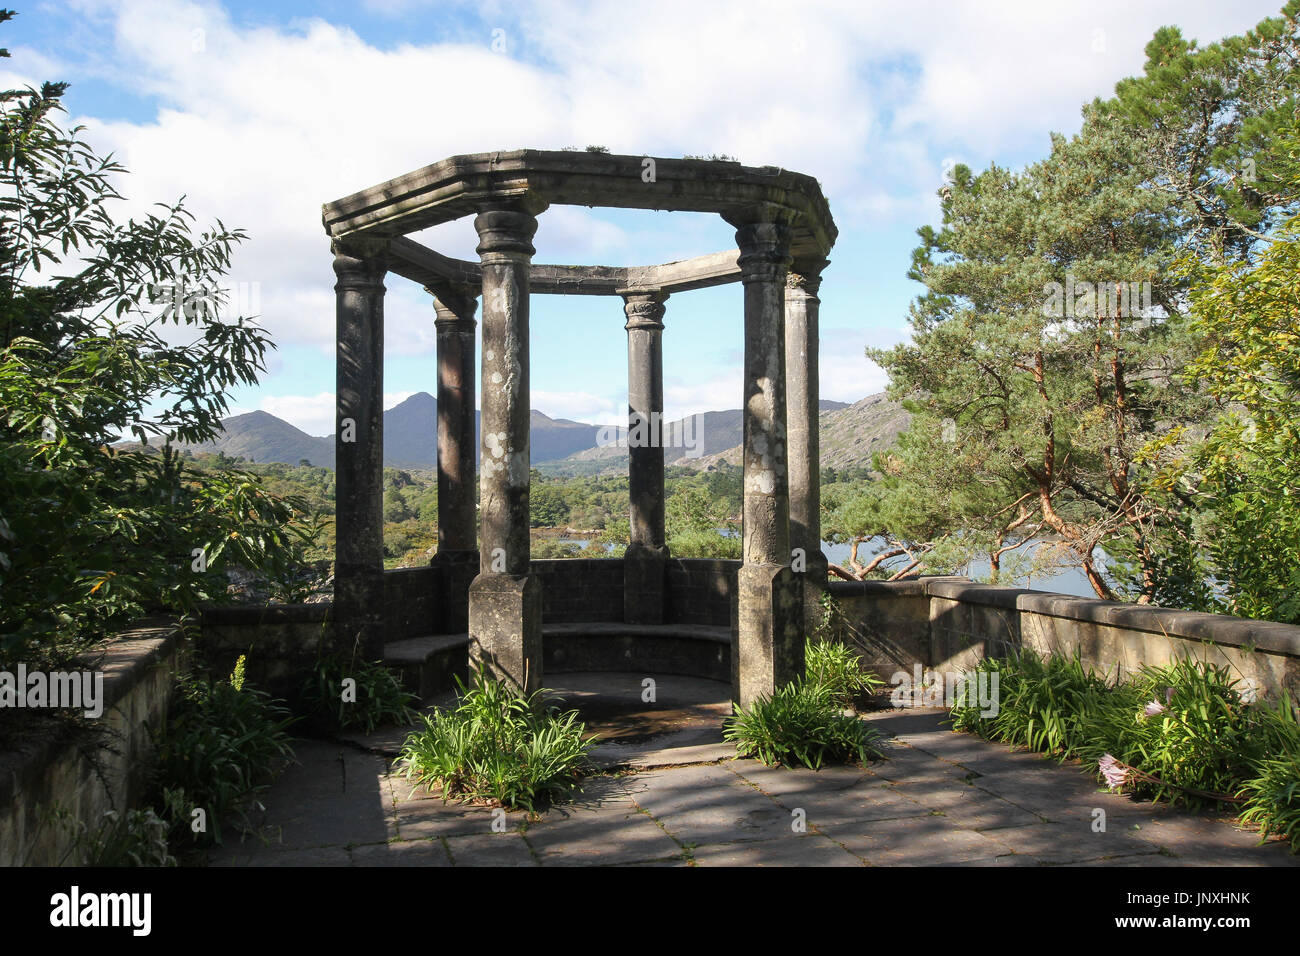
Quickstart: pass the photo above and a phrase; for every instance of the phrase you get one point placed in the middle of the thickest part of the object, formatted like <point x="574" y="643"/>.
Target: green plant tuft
<point x="380" y="698"/>
<point x="836" y="667"/>
<point x="221" y="742"/>
<point x="801" y="723"/>
<point x="498" y="746"/>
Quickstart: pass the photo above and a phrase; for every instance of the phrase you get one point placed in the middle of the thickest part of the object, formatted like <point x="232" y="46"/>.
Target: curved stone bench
<point x="692" y="650"/>
<point x="428" y="665"/>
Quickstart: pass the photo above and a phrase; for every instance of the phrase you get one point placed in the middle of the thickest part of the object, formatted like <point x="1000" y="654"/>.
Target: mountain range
<point x="850" y="434"/>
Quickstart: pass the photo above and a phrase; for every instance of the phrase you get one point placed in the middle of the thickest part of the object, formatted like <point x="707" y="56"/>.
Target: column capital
<point x="644" y="310"/>
<point x="805" y="276"/>
<point x="506" y="230"/>
<point x="764" y="250"/>
<point x="360" y="265"/>
<point x="454" y="307"/>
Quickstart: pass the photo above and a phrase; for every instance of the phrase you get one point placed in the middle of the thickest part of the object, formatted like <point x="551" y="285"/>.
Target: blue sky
<point x="259" y="112"/>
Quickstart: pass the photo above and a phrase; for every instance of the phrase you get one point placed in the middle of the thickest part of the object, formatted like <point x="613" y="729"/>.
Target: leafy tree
<point x="1240" y="483"/>
<point x="1054" y="382"/>
<point x="93" y="535"/>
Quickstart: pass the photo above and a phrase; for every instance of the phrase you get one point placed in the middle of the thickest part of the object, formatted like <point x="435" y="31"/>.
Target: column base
<point x="769" y="650"/>
<point x="456" y="572"/>
<point x="644" y="571"/>
<point x="505" y="628"/>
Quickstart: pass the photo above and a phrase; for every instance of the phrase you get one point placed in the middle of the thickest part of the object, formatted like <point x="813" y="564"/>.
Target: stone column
<point x="457" y="559"/>
<point x="505" y="601"/>
<point x="802" y="422"/>
<point x="644" y="564"/>
<point x="359" y="449"/>
<point x="769" y="643"/>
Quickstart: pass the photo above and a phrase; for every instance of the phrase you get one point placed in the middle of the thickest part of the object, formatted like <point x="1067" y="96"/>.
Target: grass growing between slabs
<point x="1183" y="732"/>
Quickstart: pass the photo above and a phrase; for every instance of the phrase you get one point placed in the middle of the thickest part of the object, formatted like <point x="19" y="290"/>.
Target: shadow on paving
<point x="940" y="799"/>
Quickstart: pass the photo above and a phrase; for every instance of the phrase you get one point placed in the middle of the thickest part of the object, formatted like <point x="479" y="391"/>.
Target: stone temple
<point x="485" y="599"/>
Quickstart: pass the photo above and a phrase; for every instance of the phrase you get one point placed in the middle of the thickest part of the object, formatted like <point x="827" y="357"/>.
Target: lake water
<point x="1062" y="580"/>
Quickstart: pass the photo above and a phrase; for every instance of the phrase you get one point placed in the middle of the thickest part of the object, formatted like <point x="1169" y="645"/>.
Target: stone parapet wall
<point x="951" y="623"/>
<point x="580" y="590"/>
<point x="701" y="591"/>
<point x="281" y="642"/>
<point x="59" y="769"/>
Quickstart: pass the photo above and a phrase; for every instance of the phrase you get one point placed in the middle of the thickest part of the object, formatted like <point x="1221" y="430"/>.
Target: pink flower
<point x="1115" y="772"/>
<point x="1153" y="708"/>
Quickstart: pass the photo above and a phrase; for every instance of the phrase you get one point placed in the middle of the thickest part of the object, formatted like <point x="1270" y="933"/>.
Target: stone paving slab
<point x="408" y="853"/>
<point x="1056" y="843"/>
<point x="914" y="841"/>
<point x="490" y="849"/>
<point x="967" y="806"/>
<point x="941" y="799"/>
<point x="806" y="850"/>
<point x="603" y="826"/>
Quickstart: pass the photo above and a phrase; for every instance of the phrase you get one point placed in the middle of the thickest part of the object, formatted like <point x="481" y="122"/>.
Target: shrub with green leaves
<point x="379" y="697"/>
<point x="134" y="838"/>
<point x="1273" y="799"/>
<point x="836" y="667"/>
<point x="801" y="723"/>
<point x="498" y="746"/>
<point x="87" y="357"/>
<point x="1043" y="702"/>
<point x="222" y="742"/>
<point x="1184" y="724"/>
<point x="1180" y="732"/>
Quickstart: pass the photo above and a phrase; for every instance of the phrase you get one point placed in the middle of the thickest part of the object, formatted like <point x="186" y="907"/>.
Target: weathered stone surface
<point x="805" y="850"/>
<point x="966" y="806"/>
<point x="802" y="396"/>
<point x="494" y="849"/>
<point x="359" y="449"/>
<point x="505" y="628"/>
<point x="737" y="812"/>
<point x="505" y="604"/>
<point x="770" y="642"/>
<point x="914" y="841"/>
<point x="456" y="571"/>
<point x="411" y="853"/>
<point x="459" y="185"/>
<point x="455" y="327"/>
<point x="1057" y="843"/>
<point x="604" y="826"/>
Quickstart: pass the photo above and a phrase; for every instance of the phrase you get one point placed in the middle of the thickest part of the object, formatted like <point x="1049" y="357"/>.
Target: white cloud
<point x="261" y="124"/>
<point x="580" y="406"/>
<point x="314" y="414"/>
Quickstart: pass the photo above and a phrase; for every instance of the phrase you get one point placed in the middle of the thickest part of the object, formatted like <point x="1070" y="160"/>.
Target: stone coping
<point x="698" y="632"/>
<point x="267" y="613"/>
<point x="1187" y="625"/>
<point x="911" y="587"/>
